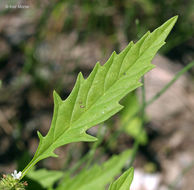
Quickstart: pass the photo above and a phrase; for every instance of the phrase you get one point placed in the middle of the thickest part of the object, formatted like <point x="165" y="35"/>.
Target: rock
<point x="174" y="100"/>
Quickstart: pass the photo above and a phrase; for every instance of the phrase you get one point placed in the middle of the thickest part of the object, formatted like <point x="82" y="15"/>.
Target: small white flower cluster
<point x="16" y="175"/>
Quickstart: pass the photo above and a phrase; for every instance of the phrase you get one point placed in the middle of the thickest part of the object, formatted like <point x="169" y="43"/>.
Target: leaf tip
<point x="114" y="53"/>
<point x="54" y="155"/>
<point x="39" y="135"/>
<point x="90" y="138"/>
<point x="174" y="19"/>
<point x="170" y="23"/>
<point x="56" y="95"/>
<point x="98" y="64"/>
<point x="80" y="76"/>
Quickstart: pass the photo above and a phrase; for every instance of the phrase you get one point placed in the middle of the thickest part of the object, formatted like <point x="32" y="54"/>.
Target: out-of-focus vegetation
<point x="44" y="47"/>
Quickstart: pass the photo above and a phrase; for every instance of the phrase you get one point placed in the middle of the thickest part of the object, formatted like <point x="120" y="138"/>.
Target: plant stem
<point x="89" y="156"/>
<point x="155" y="97"/>
<point x="162" y="91"/>
<point x="165" y="88"/>
<point x="137" y="141"/>
<point x="95" y="145"/>
<point x="149" y="102"/>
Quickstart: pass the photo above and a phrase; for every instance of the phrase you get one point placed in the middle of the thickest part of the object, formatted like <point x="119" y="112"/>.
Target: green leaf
<point x="98" y="176"/>
<point x="95" y="99"/>
<point x="45" y="177"/>
<point x="124" y="181"/>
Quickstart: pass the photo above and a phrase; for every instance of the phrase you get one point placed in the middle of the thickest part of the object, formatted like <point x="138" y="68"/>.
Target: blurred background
<point x="44" y="45"/>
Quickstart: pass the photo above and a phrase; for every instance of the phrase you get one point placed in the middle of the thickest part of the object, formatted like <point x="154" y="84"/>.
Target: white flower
<point x="16" y="175"/>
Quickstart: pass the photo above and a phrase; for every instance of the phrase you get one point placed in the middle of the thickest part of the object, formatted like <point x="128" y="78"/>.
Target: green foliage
<point x="97" y="176"/>
<point x="131" y="124"/>
<point x="124" y="181"/>
<point x="45" y="177"/>
<point x="95" y="99"/>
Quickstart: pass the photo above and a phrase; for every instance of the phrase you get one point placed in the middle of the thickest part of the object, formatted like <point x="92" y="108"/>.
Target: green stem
<point x="142" y="109"/>
<point x="89" y="156"/>
<point x="155" y="97"/>
<point x="95" y="146"/>
<point x="165" y="88"/>
<point x="149" y="102"/>
<point x="28" y="167"/>
<point x="162" y="91"/>
<point x="137" y="141"/>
